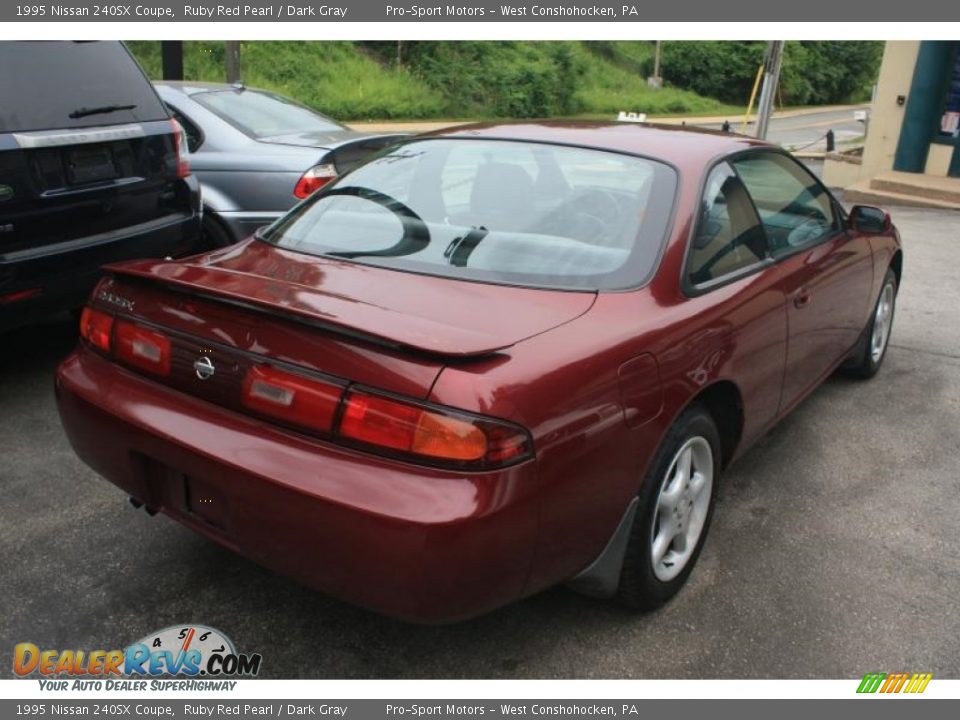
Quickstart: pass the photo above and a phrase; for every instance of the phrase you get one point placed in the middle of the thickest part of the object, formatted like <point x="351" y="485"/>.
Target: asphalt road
<point x="807" y="132"/>
<point x="834" y="552"/>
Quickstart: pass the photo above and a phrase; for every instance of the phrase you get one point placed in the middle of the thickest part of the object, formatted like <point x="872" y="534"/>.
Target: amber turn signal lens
<point x="452" y="437"/>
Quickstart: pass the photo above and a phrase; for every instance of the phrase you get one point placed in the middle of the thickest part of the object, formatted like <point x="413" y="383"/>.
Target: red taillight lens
<point x="314" y="179"/>
<point x="183" y="151"/>
<point x="291" y="397"/>
<point x="20" y="295"/>
<point x="433" y="433"/>
<point x="141" y="347"/>
<point x="96" y="328"/>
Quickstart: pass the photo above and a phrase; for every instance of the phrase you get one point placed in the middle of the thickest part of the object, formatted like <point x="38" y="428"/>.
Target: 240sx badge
<point x="179" y="650"/>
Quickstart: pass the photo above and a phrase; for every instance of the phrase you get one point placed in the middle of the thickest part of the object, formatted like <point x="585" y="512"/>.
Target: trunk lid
<point x="65" y="185"/>
<point x="86" y="146"/>
<point x="403" y="312"/>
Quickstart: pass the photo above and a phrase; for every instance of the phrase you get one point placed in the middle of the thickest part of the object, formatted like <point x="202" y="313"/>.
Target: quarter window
<point x="729" y="237"/>
<point x="796" y="210"/>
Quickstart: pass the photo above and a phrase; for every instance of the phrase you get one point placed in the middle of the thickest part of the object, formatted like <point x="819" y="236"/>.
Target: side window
<point x="794" y="207"/>
<point x="728" y="236"/>
<point x="194" y="136"/>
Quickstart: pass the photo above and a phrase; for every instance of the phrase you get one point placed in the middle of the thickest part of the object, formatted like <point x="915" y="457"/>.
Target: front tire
<point x="676" y="505"/>
<point x="872" y="347"/>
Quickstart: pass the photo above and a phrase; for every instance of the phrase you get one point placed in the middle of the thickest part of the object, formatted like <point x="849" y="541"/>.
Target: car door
<point x="730" y="273"/>
<point x="826" y="273"/>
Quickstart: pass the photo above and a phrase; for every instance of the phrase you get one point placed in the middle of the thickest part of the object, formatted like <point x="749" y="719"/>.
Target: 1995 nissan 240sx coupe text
<point x="487" y="361"/>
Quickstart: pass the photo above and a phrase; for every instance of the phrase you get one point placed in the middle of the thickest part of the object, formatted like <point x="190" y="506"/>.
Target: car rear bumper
<point x="421" y="544"/>
<point x="61" y="276"/>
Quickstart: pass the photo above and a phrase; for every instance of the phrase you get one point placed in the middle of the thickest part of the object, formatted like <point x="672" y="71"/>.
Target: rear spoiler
<point x="324" y="311"/>
<point x="347" y="154"/>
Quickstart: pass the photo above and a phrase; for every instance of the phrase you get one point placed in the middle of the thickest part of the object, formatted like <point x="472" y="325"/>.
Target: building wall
<point x="886" y="116"/>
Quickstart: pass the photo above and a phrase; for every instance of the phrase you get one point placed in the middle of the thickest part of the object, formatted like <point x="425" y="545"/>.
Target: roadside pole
<point x="771" y="77"/>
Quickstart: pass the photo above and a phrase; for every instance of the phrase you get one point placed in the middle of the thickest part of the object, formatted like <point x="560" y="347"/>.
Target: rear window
<point x="62" y="85"/>
<point x="497" y="211"/>
<point x="260" y="114"/>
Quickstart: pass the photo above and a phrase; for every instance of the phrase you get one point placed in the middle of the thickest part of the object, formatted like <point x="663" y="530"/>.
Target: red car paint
<point x="596" y="379"/>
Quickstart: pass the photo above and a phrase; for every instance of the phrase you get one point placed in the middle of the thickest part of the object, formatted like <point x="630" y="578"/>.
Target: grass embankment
<point x="361" y="81"/>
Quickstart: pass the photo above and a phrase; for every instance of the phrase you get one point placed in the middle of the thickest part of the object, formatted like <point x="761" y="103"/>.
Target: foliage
<point x="474" y="79"/>
<point x="495" y="79"/>
<point x="814" y="73"/>
<point x="331" y="76"/>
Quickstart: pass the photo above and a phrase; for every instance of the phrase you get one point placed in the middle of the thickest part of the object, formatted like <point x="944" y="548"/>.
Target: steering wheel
<point x="416" y="234"/>
<point x="593" y="214"/>
<point x="810" y="228"/>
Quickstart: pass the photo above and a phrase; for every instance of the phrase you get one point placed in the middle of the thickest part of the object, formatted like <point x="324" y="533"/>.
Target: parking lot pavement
<point x="834" y="551"/>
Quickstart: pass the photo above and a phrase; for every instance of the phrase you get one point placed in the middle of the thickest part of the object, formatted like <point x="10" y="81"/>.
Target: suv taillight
<point x="180" y="145"/>
<point x="314" y="179"/>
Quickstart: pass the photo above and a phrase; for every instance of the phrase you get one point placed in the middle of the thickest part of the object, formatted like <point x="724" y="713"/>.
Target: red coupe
<point x="489" y="360"/>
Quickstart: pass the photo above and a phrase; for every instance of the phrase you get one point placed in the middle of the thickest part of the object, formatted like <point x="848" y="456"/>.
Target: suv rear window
<point x="63" y="85"/>
<point x="519" y="213"/>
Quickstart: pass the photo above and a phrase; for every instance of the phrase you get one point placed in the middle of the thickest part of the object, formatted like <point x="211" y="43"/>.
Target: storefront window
<point x="950" y="121"/>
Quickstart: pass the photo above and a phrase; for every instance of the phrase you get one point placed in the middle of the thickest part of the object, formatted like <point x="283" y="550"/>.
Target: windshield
<point x="261" y="114"/>
<point x="497" y="211"/>
<point x="63" y="85"/>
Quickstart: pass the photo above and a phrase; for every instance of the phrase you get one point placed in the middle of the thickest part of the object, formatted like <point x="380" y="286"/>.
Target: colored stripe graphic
<point x="894" y="682"/>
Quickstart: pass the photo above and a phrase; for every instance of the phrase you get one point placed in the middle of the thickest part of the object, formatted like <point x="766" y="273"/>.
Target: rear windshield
<point x="497" y="211"/>
<point x="61" y="85"/>
<point x="260" y="114"/>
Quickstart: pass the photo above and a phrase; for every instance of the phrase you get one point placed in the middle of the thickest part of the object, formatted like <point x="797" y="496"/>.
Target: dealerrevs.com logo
<point x="190" y="651"/>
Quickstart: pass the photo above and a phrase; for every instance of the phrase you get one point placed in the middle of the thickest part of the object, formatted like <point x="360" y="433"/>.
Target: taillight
<point x="96" y="328"/>
<point x="141" y="347"/>
<point x="183" y="152"/>
<point x="126" y="341"/>
<point x="20" y="295"/>
<point x="314" y="179"/>
<point x="431" y="433"/>
<point x="292" y="398"/>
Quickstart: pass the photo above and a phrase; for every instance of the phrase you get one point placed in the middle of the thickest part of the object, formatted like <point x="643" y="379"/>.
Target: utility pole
<point x="772" y="63"/>
<point x="233" y="61"/>
<point x="655" y="81"/>
<point x="171" y="57"/>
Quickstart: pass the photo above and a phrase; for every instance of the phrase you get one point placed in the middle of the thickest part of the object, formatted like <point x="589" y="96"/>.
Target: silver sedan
<point x="257" y="153"/>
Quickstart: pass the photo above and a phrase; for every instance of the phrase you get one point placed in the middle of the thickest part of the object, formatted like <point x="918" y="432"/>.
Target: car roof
<point x="675" y="144"/>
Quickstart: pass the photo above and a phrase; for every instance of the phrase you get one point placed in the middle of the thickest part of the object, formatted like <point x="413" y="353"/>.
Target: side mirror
<point x="869" y="219"/>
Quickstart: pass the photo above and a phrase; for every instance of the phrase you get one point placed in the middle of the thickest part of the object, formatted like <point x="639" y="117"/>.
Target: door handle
<point x="802" y="298"/>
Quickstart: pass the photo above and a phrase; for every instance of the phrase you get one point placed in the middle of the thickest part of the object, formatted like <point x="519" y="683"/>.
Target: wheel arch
<point x="724" y="402"/>
<point x="896" y="264"/>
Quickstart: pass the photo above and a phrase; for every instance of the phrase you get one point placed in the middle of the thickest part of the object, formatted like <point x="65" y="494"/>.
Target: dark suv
<point x="92" y="170"/>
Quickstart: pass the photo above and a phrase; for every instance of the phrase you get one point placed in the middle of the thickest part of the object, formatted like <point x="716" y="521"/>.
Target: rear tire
<point x="213" y="233"/>
<point x="676" y="506"/>
<point x="872" y="346"/>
